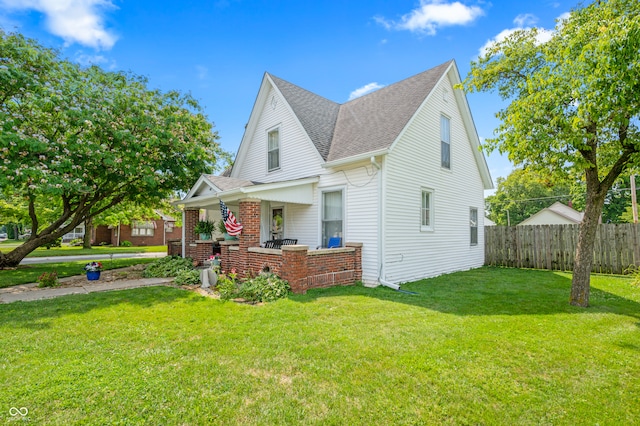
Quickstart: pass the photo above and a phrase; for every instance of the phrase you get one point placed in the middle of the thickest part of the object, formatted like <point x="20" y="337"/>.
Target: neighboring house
<point x="398" y="170"/>
<point x="555" y="214"/>
<point x="488" y="222"/>
<point x="153" y="232"/>
<point x="77" y="233"/>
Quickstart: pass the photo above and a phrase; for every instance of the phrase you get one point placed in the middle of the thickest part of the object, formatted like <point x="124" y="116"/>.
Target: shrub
<point x="187" y="277"/>
<point x="265" y="287"/>
<point x="126" y="243"/>
<point x="55" y="243"/>
<point x="167" y="267"/>
<point x="48" y="279"/>
<point x="76" y="242"/>
<point x="227" y="286"/>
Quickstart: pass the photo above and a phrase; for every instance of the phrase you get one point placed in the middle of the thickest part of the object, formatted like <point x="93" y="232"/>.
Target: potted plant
<point x="222" y="230"/>
<point x="93" y="270"/>
<point x="204" y="228"/>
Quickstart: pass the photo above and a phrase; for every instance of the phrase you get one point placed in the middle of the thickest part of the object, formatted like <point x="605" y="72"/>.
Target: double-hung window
<point x="273" y="154"/>
<point x="332" y="216"/>
<point x="445" y="142"/>
<point x="143" y="228"/>
<point x="426" y="210"/>
<point x="473" y="225"/>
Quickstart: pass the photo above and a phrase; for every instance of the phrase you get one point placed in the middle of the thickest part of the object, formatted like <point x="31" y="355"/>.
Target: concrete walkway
<point x="30" y="292"/>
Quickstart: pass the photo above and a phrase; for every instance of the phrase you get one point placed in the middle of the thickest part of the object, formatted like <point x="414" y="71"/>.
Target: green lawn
<point x="25" y="274"/>
<point x="67" y="250"/>
<point x="490" y="346"/>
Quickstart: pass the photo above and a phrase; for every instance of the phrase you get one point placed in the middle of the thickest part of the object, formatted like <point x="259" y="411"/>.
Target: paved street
<point x="89" y="257"/>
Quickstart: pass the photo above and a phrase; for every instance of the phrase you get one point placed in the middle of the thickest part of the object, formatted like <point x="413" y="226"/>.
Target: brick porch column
<point x="249" y="216"/>
<point x="294" y="267"/>
<point x="357" y="260"/>
<point x="191" y="217"/>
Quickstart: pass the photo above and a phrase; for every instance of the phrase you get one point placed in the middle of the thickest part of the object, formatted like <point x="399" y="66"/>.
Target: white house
<point x="398" y="170"/>
<point x="555" y="214"/>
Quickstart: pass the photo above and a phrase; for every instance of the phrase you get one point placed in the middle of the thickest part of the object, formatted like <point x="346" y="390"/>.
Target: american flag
<point x="233" y="227"/>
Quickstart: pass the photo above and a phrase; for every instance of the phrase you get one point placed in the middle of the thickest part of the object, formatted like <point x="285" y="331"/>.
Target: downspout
<point x="184" y="225"/>
<point x="381" y="227"/>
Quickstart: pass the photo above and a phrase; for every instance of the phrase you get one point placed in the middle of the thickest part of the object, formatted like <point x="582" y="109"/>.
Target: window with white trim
<point x="445" y="142"/>
<point x="426" y="210"/>
<point x="273" y="148"/>
<point x="143" y="229"/>
<point x="473" y="225"/>
<point x="332" y="217"/>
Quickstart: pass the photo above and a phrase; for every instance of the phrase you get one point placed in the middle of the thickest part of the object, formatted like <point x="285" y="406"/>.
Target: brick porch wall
<point x="304" y="269"/>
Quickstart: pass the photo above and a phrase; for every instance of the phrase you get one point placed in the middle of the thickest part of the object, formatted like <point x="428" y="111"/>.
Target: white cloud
<point x="525" y="20"/>
<point x="368" y="88"/>
<point x="202" y="72"/>
<point x="75" y="21"/>
<point x="522" y="22"/>
<point x="100" y="60"/>
<point x="433" y="14"/>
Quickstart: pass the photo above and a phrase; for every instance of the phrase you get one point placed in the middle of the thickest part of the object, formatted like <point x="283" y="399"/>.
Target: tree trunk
<point x="88" y="231"/>
<point x="15" y="256"/>
<point x="580" y="284"/>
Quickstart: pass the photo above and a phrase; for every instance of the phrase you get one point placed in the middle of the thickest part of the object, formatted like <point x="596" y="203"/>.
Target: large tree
<point x="78" y="141"/>
<point x="574" y="106"/>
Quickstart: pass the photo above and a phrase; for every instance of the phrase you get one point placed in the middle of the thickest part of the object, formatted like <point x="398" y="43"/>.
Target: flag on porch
<point x="232" y="226"/>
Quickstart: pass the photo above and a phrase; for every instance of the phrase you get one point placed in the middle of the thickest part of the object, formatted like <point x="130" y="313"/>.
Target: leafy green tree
<point x="574" y="106"/>
<point x="79" y="141"/>
<point x="522" y="194"/>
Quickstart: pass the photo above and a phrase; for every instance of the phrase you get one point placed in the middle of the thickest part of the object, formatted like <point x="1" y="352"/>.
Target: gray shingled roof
<point x="374" y="121"/>
<point x="316" y="114"/>
<point x="366" y="124"/>
<point x="226" y="183"/>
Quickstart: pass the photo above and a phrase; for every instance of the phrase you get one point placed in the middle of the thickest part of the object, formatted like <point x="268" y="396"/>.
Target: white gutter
<point x="354" y="158"/>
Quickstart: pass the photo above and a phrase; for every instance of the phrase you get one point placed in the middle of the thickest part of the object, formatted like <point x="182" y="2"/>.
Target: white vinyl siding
<point x="298" y="157"/>
<point x="408" y="253"/>
<point x="273" y="147"/>
<point x="445" y="142"/>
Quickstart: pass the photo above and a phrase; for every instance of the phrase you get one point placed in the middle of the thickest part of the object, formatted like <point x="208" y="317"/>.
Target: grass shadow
<point x="36" y="314"/>
<point x="494" y="291"/>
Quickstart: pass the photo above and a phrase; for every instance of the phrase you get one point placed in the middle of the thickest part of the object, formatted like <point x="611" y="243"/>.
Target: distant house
<point x="152" y="232"/>
<point x="397" y="171"/>
<point x="555" y="214"/>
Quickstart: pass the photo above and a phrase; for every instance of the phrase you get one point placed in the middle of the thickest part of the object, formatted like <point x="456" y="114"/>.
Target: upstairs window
<point x="273" y="149"/>
<point x="445" y="142"/>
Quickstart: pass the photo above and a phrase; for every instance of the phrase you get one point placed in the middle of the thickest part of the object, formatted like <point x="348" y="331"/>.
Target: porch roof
<point x="230" y="190"/>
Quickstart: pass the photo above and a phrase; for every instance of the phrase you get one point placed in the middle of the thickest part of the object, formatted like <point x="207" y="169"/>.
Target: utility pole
<point x="634" y="201"/>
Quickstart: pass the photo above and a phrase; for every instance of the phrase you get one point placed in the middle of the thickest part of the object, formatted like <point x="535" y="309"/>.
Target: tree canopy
<point x="574" y="106"/>
<point x="522" y="194"/>
<point x="82" y="140"/>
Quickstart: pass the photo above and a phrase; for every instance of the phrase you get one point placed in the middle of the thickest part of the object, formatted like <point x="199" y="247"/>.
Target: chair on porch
<point x="277" y="244"/>
<point x="334" y="242"/>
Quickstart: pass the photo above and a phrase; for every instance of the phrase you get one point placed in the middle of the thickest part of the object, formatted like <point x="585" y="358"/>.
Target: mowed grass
<point x="25" y="274"/>
<point x="489" y="346"/>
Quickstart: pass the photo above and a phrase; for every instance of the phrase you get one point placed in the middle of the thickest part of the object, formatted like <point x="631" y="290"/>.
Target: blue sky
<point x="218" y="50"/>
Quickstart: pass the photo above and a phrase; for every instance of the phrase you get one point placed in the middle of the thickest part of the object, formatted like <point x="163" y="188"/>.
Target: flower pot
<point x="205" y="236"/>
<point x="93" y="275"/>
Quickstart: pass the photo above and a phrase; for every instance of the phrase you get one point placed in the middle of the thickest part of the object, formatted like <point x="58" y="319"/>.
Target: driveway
<point x="89" y="257"/>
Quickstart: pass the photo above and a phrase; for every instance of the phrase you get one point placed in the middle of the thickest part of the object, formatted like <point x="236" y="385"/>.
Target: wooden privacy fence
<point x="553" y="247"/>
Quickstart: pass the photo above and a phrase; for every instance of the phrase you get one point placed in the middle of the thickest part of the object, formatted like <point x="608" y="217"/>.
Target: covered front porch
<point x="284" y="213"/>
